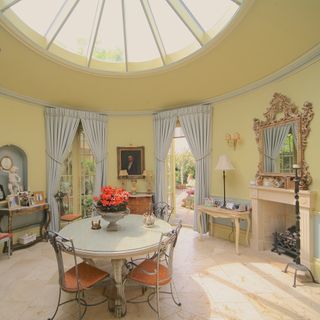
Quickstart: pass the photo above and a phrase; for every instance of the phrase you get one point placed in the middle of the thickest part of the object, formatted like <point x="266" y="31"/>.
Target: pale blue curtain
<point x="61" y="127"/>
<point x="294" y="129"/>
<point x="94" y="126"/>
<point x="164" y="125"/>
<point x="196" y="123"/>
<point x="274" y="138"/>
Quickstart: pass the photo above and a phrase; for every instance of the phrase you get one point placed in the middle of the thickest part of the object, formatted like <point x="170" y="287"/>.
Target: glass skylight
<point x="120" y="35"/>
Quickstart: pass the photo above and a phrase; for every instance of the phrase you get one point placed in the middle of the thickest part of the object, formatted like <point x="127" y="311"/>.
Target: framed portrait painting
<point x="131" y="159"/>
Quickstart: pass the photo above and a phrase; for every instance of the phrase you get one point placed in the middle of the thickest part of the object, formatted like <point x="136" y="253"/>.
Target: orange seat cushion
<point x="70" y="217"/>
<point x="5" y="235"/>
<point x="140" y="273"/>
<point x="88" y="276"/>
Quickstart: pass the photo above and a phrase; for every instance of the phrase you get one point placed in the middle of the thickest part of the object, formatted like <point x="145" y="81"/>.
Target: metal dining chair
<point x="77" y="279"/>
<point x="162" y="210"/>
<point x="156" y="272"/>
<point x="66" y="218"/>
<point x="6" y="238"/>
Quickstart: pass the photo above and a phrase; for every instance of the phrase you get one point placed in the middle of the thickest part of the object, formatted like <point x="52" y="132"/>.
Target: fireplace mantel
<point x="268" y="205"/>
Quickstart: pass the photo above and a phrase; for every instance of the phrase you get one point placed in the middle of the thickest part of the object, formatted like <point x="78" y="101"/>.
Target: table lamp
<point x="123" y="175"/>
<point x="224" y="164"/>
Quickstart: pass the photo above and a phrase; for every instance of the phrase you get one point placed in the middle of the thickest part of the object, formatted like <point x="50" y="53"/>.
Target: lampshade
<point x="224" y="163"/>
<point x="123" y="173"/>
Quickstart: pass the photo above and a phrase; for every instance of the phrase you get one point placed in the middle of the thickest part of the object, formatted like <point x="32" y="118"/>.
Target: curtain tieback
<point x="53" y="158"/>
<point x="266" y="155"/>
<point x="205" y="156"/>
<point x="101" y="160"/>
<point x="160" y="159"/>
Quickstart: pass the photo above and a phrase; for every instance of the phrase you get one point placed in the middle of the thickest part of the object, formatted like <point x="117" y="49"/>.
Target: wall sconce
<point x="232" y="139"/>
<point x="148" y="175"/>
<point x="123" y="175"/>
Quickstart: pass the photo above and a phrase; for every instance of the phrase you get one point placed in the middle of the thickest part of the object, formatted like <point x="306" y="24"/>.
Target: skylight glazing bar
<point x="93" y="41"/>
<point x="155" y="31"/>
<point x="189" y="21"/>
<point x="125" y="35"/>
<point x="62" y="24"/>
<point x="55" y="18"/>
<point x="238" y="2"/>
<point x="9" y="5"/>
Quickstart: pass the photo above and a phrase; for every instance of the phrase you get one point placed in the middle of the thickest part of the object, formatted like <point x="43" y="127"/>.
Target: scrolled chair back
<point x="162" y="210"/>
<point x="63" y="245"/>
<point x="166" y="248"/>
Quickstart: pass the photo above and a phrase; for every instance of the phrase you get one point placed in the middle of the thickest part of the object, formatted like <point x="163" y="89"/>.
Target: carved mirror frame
<point x="281" y="104"/>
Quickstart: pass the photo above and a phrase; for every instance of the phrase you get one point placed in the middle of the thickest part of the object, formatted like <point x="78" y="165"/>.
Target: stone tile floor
<point x="212" y="281"/>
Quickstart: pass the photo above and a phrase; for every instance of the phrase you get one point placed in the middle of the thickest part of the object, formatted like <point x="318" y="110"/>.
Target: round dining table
<point x="131" y="240"/>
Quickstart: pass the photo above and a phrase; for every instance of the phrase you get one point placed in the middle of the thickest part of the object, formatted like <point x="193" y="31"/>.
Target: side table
<point x="235" y="215"/>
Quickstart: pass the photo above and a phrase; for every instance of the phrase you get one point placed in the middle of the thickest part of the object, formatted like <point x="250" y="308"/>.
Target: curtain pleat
<point x="164" y="125"/>
<point x="61" y="127"/>
<point x="196" y="123"/>
<point x="94" y="126"/>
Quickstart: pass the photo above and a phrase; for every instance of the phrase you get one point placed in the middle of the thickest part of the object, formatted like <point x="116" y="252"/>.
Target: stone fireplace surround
<point x="272" y="210"/>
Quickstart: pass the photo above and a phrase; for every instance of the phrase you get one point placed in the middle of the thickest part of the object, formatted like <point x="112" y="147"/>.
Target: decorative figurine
<point x="14" y="181"/>
<point x="95" y="225"/>
<point x="149" y="219"/>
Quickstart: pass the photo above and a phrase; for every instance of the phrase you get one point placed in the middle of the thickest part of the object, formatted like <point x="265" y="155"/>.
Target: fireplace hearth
<point x="285" y="242"/>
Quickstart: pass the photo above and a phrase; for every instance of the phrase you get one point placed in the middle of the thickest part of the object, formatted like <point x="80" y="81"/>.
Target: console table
<point x="13" y="213"/>
<point x="140" y="203"/>
<point x="235" y="215"/>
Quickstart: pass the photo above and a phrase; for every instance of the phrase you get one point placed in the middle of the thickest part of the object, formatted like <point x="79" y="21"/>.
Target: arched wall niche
<point x="19" y="160"/>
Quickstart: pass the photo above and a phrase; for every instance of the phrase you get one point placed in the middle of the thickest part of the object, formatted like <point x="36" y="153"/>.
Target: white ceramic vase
<point x="112" y="218"/>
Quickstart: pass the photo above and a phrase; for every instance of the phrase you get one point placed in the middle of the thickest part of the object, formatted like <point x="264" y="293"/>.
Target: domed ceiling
<point x="120" y="35"/>
<point x="253" y="40"/>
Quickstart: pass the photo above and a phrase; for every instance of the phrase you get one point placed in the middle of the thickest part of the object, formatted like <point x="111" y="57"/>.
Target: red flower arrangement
<point x="112" y="199"/>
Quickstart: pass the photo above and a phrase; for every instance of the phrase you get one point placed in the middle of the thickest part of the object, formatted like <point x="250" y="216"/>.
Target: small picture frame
<point x="13" y="201"/>
<point x="2" y="193"/>
<point x="39" y="197"/>
<point x="32" y="201"/>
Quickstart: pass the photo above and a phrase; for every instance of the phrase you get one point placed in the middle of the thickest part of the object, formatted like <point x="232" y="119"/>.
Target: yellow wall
<point x="124" y="131"/>
<point x="236" y="115"/>
<point x="22" y="124"/>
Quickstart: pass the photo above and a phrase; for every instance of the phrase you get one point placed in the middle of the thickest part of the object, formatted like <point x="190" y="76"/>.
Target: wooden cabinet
<point x="140" y="203"/>
<point x="21" y="217"/>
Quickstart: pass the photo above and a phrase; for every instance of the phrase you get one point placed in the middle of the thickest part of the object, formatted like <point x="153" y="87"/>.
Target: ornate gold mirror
<point x="282" y="140"/>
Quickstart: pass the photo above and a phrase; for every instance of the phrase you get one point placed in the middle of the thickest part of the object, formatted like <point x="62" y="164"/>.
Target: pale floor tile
<point x="213" y="283"/>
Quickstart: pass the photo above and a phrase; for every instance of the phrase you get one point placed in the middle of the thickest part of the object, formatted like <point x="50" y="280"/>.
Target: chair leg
<point x="58" y="305"/>
<point x="158" y="301"/>
<point x="9" y="248"/>
<point x="173" y="288"/>
<point x="81" y="302"/>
